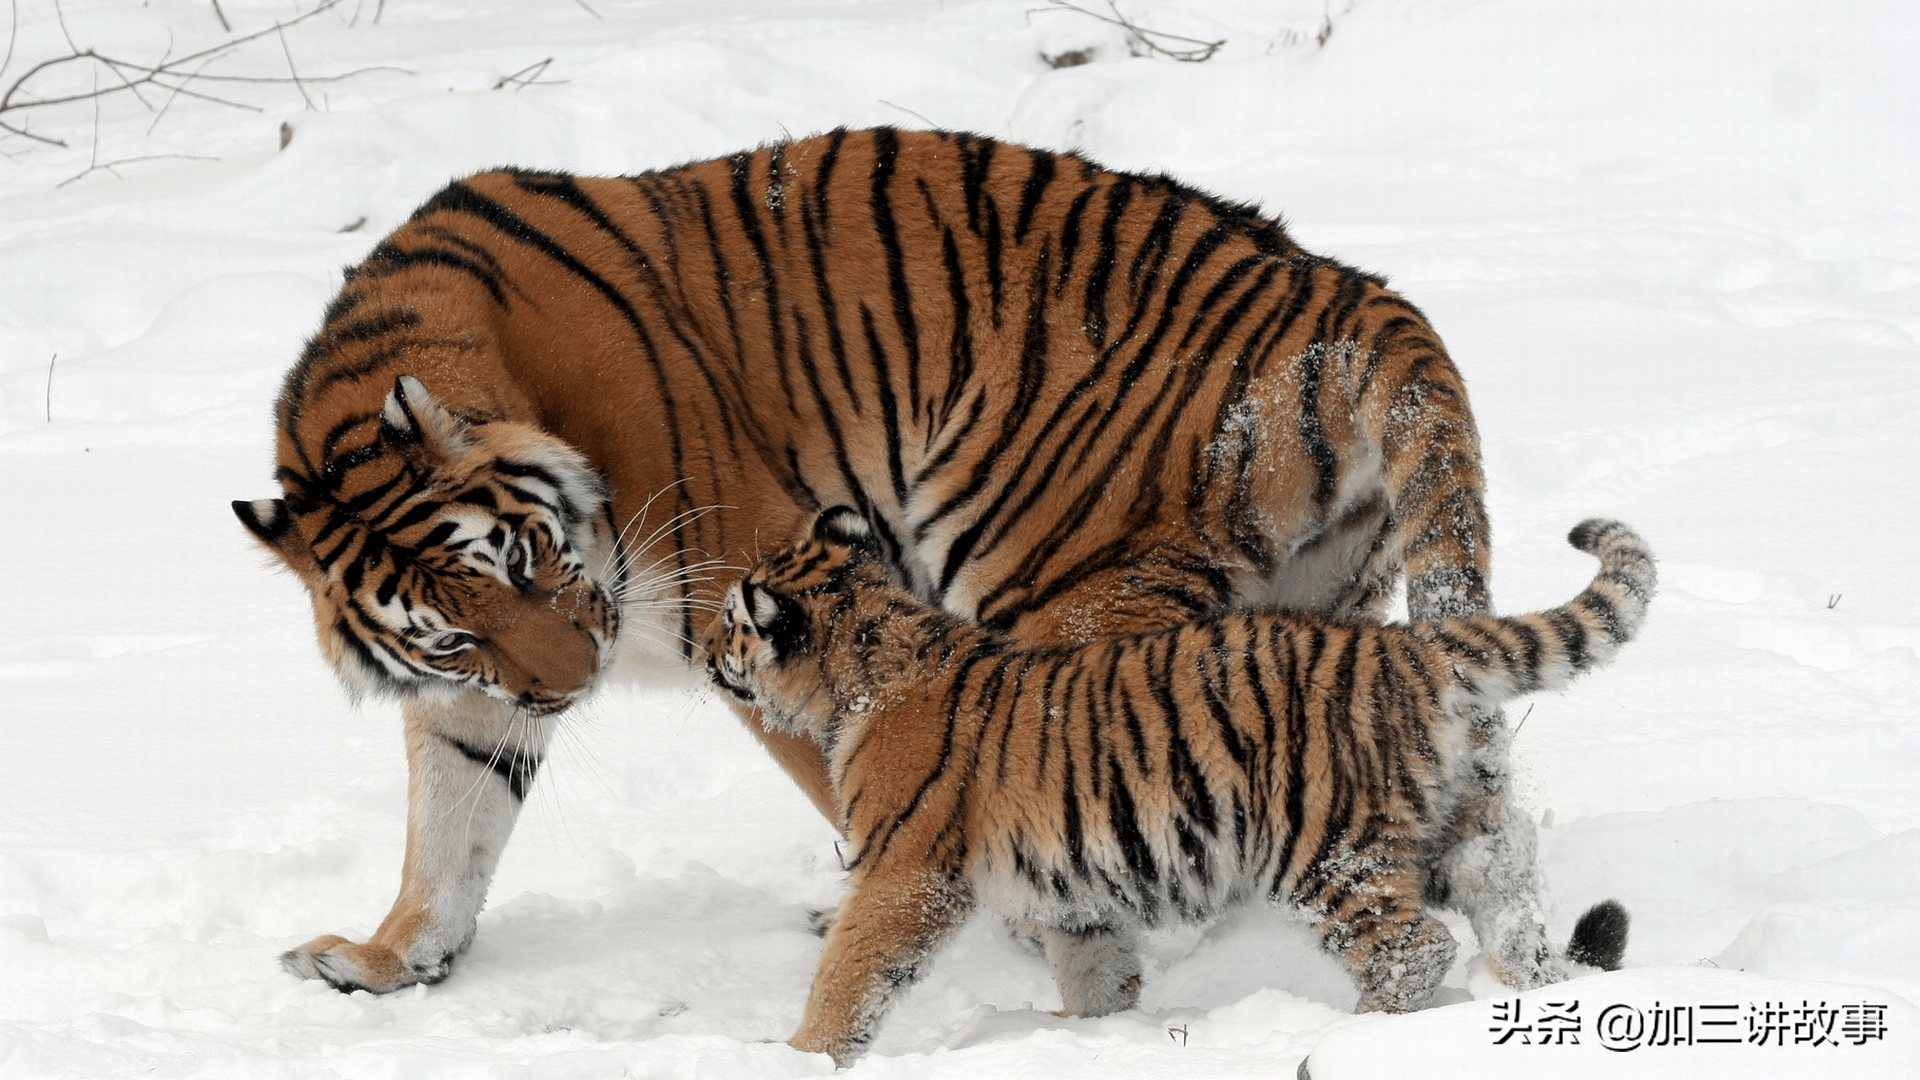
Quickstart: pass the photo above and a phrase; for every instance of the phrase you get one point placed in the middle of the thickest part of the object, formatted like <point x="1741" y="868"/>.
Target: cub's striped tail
<point x="1494" y="658"/>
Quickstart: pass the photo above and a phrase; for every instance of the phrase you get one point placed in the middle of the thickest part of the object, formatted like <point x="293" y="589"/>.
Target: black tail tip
<point x="1587" y="535"/>
<point x="1600" y="937"/>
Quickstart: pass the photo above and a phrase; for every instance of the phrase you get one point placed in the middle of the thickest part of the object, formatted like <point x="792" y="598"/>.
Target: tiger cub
<point x="1135" y="779"/>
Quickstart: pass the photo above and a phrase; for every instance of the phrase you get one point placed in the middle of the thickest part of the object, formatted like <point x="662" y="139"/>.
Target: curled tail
<point x="1496" y="658"/>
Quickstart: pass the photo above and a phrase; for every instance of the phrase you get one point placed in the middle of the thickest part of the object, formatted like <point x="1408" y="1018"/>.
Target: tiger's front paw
<point x="347" y="967"/>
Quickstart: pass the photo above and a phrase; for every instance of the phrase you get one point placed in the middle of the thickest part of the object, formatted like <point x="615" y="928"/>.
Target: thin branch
<point x="4" y="126"/>
<point x="1201" y="51"/>
<point x="13" y="33"/>
<point x="176" y="93"/>
<point x="527" y="76"/>
<point x="109" y="167"/>
<point x="294" y="71"/>
<point x="224" y="24"/>
<point x="61" y="16"/>
<point x="125" y="84"/>
<point x="583" y="4"/>
<point x="909" y="112"/>
<point x="56" y="356"/>
<point x="184" y="92"/>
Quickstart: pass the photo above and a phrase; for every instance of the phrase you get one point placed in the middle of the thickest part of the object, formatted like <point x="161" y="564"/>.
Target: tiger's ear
<point x="271" y="524"/>
<point x="845" y="526"/>
<point x="412" y="418"/>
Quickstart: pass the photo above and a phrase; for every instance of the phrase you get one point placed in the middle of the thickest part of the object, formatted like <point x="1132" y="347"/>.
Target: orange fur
<point x="1075" y="402"/>
<point x="1140" y="778"/>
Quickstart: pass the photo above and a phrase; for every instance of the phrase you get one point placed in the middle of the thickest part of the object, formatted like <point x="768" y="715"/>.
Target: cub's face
<point x="443" y="555"/>
<point x="763" y="648"/>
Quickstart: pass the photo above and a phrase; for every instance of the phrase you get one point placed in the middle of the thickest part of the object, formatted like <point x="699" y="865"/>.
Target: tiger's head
<point x="444" y="554"/>
<point x="765" y="647"/>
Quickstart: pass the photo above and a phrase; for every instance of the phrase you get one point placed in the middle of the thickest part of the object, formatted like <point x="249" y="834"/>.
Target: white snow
<point x="1675" y="248"/>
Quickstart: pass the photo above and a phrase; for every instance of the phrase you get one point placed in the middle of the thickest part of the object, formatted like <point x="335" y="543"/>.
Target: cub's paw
<point x="347" y="967"/>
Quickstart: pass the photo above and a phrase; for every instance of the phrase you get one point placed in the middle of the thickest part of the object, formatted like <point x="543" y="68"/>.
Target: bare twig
<point x="109" y="166"/>
<point x="908" y="111"/>
<point x="1833" y="601"/>
<point x="13" y="33"/>
<point x="172" y="74"/>
<point x="582" y="3"/>
<point x="56" y="356"/>
<point x="157" y="117"/>
<point x="1148" y="39"/>
<point x="1523" y="721"/>
<point x="527" y="76"/>
<point x="61" y="17"/>
<point x="224" y="24"/>
<point x="294" y="71"/>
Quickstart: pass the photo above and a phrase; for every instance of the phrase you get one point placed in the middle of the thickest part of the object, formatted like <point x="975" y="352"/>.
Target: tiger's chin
<point x="360" y="686"/>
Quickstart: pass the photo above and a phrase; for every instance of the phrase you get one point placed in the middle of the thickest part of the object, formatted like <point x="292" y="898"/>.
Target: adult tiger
<point x="1072" y="401"/>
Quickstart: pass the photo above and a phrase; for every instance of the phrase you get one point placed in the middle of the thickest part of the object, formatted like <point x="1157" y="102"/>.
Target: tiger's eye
<point x="450" y="641"/>
<point x="517" y="565"/>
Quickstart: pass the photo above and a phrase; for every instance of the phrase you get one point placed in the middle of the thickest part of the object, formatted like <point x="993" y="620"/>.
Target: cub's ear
<point x="271" y="524"/>
<point x="845" y="526"/>
<point x="411" y="417"/>
<point x="777" y="618"/>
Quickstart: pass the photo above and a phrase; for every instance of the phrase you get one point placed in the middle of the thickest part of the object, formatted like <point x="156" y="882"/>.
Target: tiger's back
<point x="1030" y="372"/>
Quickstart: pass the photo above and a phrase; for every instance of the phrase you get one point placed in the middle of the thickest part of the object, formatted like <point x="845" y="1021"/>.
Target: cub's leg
<point x="469" y="764"/>
<point x="882" y="938"/>
<point x="1097" y="969"/>
<point x="1367" y="913"/>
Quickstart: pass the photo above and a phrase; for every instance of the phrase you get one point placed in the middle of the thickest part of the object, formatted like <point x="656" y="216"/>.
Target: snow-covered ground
<point x="1675" y="247"/>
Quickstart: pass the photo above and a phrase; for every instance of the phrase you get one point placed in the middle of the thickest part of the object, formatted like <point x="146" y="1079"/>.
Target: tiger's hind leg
<point x="1492" y="875"/>
<point x="1483" y="862"/>
<point x="1097" y="968"/>
<point x="469" y="764"/>
<point x="882" y="937"/>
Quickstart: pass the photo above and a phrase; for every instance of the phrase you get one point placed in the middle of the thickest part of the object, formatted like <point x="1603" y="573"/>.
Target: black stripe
<point x="516" y="770"/>
<point x="886" y="156"/>
<point x="889" y="405"/>
<point x="1106" y="256"/>
<point x="1313" y="436"/>
<point x="1039" y="177"/>
<point x="1297" y="673"/>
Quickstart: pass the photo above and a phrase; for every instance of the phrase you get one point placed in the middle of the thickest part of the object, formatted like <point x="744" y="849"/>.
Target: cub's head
<point x="764" y="648"/>
<point x="445" y="554"/>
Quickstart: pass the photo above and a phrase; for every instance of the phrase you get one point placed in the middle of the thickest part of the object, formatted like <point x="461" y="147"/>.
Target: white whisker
<point x="619" y="543"/>
<point x="684" y="517"/>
